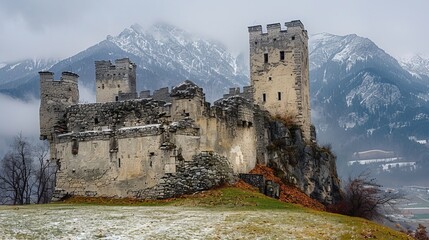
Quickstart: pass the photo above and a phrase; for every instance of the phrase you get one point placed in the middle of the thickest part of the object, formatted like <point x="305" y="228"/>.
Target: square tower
<point x="113" y="80"/>
<point x="279" y="72"/>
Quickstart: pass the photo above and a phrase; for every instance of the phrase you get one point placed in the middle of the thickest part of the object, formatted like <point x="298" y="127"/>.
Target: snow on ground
<point x="132" y="222"/>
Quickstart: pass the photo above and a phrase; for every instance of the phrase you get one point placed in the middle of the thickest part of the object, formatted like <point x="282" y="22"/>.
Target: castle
<point x="174" y="142"/>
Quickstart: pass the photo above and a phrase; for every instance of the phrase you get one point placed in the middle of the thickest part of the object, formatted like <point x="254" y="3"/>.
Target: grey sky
<point x="58" y="29"/>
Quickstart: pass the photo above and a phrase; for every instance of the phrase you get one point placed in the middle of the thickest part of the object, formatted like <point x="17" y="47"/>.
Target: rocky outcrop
<point x="307" y="166"/>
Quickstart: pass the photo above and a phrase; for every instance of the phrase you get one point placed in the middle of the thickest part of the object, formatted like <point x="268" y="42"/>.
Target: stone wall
<point x="123" y="149"/>
<point x="205" y="171"/>
<point x="247" y="93"/>
<point x="102" y="116"/>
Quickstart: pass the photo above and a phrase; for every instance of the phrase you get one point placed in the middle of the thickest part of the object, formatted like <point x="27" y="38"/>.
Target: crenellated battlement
<point x="66" y="77"/>
<point x="247" y="93"/>
<point x="274" y="29"/>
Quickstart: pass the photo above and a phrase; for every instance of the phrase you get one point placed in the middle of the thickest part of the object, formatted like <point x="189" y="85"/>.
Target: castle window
<point x="102" y="86"/>
<point x="256" y="43"/>
<point x="269" y="79"/>
<point x="265" y="57"/>
<point x="116" y="98"/>
<point x="282" y="55"/>
<point x="279" y="95"/>
<point x="119" y="162"/>
<point x="293" y="37"/>
<point x="119" y="86"/>
<point x="264" y="97"/>
<point x="75" y="147"/>
<point x="96" y="120"/>
<point x="275" y="39"/>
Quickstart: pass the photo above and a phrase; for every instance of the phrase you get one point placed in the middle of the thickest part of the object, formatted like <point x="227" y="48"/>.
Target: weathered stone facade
<point x="55" y="97"/>
<point x="112" y="81"/>
<point x="172" y="142"/>
<point x="279" y="71"/>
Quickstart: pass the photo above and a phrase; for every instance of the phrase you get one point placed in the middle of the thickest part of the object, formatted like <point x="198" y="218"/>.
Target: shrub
<point x="363" y="197"/>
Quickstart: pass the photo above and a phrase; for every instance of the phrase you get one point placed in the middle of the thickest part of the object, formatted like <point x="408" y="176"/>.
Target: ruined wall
<point x="102" y="116"/>
<point x="111" y="79"/>
<point x="55" y="97"/>
<point x="247" y="93"/>
<point x="230" y="132"/>
<point x="279" y="71"/>
<point x="188" y="101"/>
<point x="133" y="148"/>
<point x="137" y="162"/>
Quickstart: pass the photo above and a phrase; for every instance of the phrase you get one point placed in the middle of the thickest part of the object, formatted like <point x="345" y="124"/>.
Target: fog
<point x="17" y="117"/>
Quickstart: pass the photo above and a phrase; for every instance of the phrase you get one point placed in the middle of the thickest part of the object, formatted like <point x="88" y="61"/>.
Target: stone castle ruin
<point x="173" y="142"/>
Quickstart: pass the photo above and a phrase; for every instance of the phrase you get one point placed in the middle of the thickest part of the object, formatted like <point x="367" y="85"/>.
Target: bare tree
<point x="363" y="197"/>
<point x="45" y="172"/>
<point x="26" y="174"/>
<point x="17" y="172"/>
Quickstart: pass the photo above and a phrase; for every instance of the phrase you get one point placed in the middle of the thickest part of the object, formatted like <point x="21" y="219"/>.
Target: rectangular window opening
<point x="282" y="55"/>
<point x="119" y="162"/>
<point x="279" y="94"/>
<point x="265" y="57"/>
<point x="264" y="97"/>
<point x="75" y="147"/>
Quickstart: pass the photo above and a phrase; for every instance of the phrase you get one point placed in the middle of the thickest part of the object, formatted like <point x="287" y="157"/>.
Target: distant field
<point x="226" y="214"/>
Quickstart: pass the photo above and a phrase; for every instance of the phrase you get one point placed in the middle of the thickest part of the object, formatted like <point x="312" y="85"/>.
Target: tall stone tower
<point x="279" y="71"/>
<point x="55" y="97"/>
<point x="113" y="80"/>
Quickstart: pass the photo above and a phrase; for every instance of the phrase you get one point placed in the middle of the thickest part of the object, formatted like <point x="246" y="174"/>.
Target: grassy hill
<point x="224" y="213"/>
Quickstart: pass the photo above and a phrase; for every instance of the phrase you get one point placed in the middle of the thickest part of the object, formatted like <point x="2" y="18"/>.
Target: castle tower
<point x="114" y="80"/>
<point x="279" y="71"/>
<point x="55" y="97"/>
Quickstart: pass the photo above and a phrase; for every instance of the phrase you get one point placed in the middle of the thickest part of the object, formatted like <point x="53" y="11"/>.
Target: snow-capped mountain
<point x="416" y="65"/>
<point x="15" y="74"/>
<point x="165" y="56"/>
<point x="361" y="96"/>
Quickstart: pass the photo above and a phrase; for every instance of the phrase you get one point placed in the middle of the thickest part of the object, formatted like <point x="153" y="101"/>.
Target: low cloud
<point x="17" y="117"/>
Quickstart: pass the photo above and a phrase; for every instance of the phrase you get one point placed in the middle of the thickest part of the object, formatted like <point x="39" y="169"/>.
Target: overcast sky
<point x="59" y="29"/>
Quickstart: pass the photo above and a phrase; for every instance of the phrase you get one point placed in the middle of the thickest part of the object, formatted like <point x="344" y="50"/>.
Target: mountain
<point x="165" y="56"/>
<point x="363" y="99"/>
<point x="14" y="76"/>
<point x="417" y="66"/>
